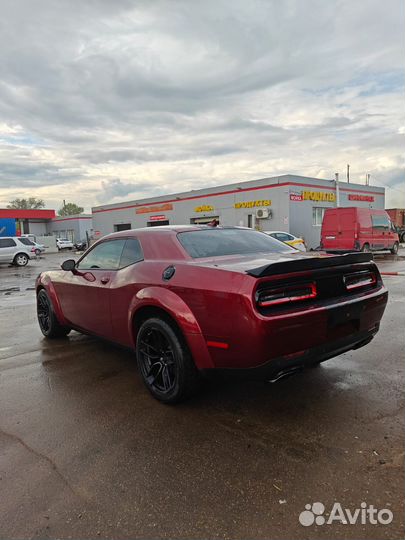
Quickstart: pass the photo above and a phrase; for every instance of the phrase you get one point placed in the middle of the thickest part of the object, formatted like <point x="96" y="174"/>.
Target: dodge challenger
<point x="187" y="299"/>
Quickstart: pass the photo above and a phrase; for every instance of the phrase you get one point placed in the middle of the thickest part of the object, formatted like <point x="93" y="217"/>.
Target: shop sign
<point x="204" y="208"/>
<point x="152" y="209"/>
<point x="160" y="217"/>
<point x="296" y="197"/>
<point x="318" y="196"/>
<point x="365" y="198"/>
<point x="253" y="204"/>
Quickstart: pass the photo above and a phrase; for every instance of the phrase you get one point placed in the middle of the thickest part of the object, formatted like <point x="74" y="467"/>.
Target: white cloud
<point x="116" y="100"/>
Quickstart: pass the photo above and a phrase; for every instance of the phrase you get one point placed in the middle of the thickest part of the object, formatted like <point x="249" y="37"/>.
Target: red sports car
<point x="194" y="298"/>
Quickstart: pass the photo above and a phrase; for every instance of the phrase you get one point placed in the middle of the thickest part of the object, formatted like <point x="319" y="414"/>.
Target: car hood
<point x="259" y="265"/>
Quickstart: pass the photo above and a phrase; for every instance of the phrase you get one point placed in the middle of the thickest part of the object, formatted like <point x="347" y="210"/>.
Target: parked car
<point x="193" y="298"/>
<point x="64" y="243"/>
<point x="287" y="238"/>
<point x="39" y="248"/>
<point x="14" y="250"/>
<point x="358" y="229"/>
<point x="81" y="245"/>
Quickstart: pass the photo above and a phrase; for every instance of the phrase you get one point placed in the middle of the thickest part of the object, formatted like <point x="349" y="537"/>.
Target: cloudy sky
<point x="110" y="100"/>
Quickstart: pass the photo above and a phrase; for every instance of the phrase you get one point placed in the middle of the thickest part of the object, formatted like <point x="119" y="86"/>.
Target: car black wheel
<point x="366" y="248"/>
<point x="21" y="259"/>
<point x="164" y="361"/>
<point x="48" y="323"/>
<point x="394" y="249"/>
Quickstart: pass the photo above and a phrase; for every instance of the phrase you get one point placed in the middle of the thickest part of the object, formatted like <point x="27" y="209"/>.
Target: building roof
<point x="74" y="216"/>
<point x="249" y="185"/>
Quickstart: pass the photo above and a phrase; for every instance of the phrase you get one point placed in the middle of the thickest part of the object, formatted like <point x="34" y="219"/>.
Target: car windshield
<point x="221" y="242"/>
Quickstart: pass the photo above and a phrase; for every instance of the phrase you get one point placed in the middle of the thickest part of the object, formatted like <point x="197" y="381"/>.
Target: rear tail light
<point x="32" y="249"/>
<point x="285" y="295"/>
<point x="358" y="280"/>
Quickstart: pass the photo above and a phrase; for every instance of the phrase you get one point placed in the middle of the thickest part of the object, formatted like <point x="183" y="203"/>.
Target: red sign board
<point x="157" y="208"/>
<point x="161" y="217"/>
<point x="296" y="197"/>
<point x="365" y="198"/>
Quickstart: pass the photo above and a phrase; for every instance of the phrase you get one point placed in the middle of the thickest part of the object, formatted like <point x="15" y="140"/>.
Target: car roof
<point x="18" y="237"/>
<point x="169" y="229"/>
<point x="282" y="232"/>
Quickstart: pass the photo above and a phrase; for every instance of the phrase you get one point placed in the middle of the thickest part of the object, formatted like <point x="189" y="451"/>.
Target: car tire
<point x="165" y="362"/>
<point x="37" y="252"/>
<point x="47" y="320"/>
<point x="366" y="248"/>
<point x="394" y="249"/>
<point x="21" y="259"/>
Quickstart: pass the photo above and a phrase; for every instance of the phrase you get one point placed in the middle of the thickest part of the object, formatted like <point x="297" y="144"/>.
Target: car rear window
<point x="222" y="242"/>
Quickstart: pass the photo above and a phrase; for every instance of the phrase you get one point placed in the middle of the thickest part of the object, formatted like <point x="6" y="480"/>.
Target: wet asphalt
<point x="85" y="452"/>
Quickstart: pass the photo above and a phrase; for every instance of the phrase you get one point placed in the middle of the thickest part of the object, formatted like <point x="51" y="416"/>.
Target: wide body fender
<point x="178" y="310"/>
<point x="45" y="282"/>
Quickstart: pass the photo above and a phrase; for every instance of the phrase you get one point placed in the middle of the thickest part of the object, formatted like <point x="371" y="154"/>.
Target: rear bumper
<point x="311" y="335"/>
<point x="285" y="365"/>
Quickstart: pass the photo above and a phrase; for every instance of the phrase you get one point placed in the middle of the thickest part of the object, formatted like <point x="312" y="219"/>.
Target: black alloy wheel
<point x="164" y="361"/>
<point x="48" y="323"/>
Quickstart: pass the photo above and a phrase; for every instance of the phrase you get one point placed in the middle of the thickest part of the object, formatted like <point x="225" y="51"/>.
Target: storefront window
<point x="317" y="215"/>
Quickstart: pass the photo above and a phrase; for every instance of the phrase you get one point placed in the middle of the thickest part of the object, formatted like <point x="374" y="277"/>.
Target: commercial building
<point x="74" y="228"/>
<point x="290" y="203"/>
<point x="15" y="222"/>
<point x="41" y="223"/>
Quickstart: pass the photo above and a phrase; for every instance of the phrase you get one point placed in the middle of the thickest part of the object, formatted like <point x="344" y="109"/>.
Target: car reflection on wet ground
<point x="85" y="452"/>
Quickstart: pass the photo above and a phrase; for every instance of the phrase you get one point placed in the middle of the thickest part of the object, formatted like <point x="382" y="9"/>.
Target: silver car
<point x="16" y="250"/>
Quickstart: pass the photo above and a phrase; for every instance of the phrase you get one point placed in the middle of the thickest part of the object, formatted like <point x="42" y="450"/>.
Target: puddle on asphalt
<point x="12" y="290"/>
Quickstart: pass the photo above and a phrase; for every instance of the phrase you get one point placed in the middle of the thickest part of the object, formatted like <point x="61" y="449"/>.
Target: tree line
<point x="33" y="203"/>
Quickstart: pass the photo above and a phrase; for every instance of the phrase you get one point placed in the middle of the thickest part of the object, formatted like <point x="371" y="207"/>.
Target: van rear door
<point x="329" y="232"/>
<point x="347" y="228"/>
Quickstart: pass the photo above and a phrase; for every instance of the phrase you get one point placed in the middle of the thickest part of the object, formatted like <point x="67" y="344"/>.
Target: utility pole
<point x="348" y="173"/>
<point x="367" y="179"/>
<point x="337" y="190"/>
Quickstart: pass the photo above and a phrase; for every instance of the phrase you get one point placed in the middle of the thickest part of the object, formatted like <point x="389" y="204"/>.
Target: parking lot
<point x="85" y="451"/>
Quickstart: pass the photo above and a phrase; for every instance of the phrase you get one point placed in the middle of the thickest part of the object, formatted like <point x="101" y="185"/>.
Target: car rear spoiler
<point x="309" y="263"/>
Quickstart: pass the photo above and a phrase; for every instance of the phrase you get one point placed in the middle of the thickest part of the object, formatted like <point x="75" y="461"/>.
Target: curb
<point x="392" y="273"/>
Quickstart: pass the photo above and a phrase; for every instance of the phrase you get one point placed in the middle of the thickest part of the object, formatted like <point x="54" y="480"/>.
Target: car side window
<point x="283" y="237"/>
<point x="26" y="241"/>
<point x="380" y="222"/>
<point x="131" y="253"/>
<point x="106" y="256"/>
<point x="7" y="242"/>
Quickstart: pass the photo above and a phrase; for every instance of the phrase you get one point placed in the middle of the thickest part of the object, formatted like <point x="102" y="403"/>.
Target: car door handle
<point x="105" y="280"/>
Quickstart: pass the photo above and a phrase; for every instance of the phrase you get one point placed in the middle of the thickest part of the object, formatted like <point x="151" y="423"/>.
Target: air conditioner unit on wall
<point x="263" y="213"/>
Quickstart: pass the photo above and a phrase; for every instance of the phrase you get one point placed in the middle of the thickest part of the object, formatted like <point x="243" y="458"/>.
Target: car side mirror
<point x="69" y="265"/>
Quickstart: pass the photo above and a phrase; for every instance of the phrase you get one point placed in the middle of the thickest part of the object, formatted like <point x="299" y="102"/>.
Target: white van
<point x="16" y="250"/>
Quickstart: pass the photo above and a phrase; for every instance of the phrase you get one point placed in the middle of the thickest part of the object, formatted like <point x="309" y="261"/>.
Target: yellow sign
<point x="252" y="204"/>
<point x="318" y="196"/>
<point x="204" y="208"/>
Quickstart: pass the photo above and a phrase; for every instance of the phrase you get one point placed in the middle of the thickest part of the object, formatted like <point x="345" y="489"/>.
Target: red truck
<point x="397" y="216"/>
<point x="358" y="229"/>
